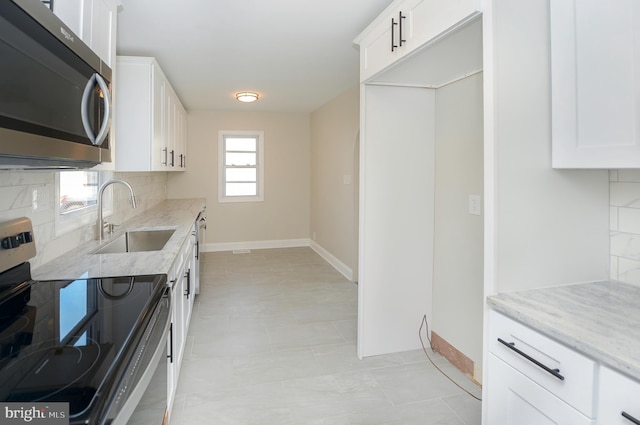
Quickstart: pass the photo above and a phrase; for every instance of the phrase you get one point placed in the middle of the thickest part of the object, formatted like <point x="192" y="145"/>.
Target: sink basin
<point x="137" y="241"/>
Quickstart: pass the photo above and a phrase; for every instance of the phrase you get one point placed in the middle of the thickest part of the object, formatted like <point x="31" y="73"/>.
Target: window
<point x="240" y="166"/>
<point x="77" y="198"/>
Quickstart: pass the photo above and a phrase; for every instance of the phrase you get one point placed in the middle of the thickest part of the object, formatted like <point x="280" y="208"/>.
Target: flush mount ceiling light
<point x="247" y="96"/>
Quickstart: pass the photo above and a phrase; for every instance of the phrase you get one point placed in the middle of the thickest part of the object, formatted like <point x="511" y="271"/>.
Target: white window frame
<point x="259" y="135"/>
<point x="69" y="221"/>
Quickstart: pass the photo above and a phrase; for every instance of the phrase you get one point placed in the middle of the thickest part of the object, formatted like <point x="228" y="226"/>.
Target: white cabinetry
<point x="618" y="399"/>
<point x="515" y="399"/>
<point x="182" y="276"/>
<point x="94" y="21"/>
<point x="595" y="56"/>
<point x="536" y="380"/>
<point x="407" y="25"/>
<point x="151" y="128"/>
<point x="400" y="112"/>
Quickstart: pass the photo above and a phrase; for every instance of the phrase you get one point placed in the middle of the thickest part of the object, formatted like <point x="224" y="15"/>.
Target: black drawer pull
<point x="630" y="418"/>
<point x="512" y="346"/>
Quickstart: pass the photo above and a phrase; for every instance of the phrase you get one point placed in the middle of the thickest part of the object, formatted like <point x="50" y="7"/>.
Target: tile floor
<point x="272" y="341"/>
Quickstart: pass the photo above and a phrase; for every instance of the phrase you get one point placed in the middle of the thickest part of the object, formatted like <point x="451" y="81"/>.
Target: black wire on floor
<point x="423" y="324"/>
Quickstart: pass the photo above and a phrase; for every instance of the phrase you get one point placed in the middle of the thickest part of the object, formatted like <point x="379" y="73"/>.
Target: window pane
<point x="246" y="144"/>
<point x="78" y="189"/>
<point x="240" y="159"/>
<point x="241" y="174"/>
<point x="241" y="189"/>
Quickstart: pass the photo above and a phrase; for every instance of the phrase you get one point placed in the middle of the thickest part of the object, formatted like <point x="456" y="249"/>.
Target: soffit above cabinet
<point x="455" y="55"/>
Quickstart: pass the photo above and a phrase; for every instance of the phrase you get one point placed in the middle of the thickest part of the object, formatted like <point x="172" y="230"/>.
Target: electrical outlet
<point x="475" y="207"/>
<point x="39" y="198"/>
<point x="346" y="179"/>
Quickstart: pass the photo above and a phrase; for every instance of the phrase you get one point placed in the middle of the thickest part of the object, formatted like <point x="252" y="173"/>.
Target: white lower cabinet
<point x="618" y="399"/>
<point x="534" y="379"/>
<point x="513" y="398"/>
<point x="181" y="279"/>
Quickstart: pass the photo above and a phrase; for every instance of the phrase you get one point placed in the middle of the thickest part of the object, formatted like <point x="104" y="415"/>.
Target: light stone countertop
<point x="599" y="319"/>
<point x="178" y="214"/>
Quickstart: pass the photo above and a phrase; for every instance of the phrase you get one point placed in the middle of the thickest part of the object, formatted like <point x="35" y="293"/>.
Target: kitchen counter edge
<point x="598" y="319"/>
<point x="81" y="262"/>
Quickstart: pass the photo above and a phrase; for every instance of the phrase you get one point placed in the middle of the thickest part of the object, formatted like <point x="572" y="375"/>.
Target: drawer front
<point x="617" y="394"/>
<point x="515" y="399"/>
<point x="575" y="380"/>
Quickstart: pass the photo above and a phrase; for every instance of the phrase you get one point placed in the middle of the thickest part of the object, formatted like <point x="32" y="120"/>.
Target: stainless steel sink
<point x="137" y="241"/>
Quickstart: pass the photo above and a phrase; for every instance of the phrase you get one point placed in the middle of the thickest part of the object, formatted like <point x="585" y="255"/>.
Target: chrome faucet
<point x="100" y="193"/>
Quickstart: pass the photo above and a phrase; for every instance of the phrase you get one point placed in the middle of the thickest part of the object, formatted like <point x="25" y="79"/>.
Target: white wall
<point x="16" y="189"/>
<point x="458" y="235"/>
<point x="396" y="217"/>
<point x="334" y="134"/>
<point x="284" y="213"/>
<point x="546" y="227"/>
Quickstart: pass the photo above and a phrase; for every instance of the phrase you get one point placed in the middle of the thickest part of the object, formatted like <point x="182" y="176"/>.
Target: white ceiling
<point x="296" y="54"/>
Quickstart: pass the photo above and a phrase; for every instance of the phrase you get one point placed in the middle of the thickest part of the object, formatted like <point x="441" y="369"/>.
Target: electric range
<point x="84" y="341"/>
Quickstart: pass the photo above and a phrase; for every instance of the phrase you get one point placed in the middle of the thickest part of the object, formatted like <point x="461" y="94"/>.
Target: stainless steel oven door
<point x="146" y="399"/>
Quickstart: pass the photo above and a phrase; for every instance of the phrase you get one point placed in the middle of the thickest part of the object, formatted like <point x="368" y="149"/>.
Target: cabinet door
<point x="172" y="364"/>
<point x="70" y="12"/>
<point x="595" y="87"/>
<point x="431" y="18"/>
<point x="159" y="149"/>
<point x="618" y="394"/>
<point x="99" y="30"/>
<point x="386" y="40"/>
<point x="514" y="399"/>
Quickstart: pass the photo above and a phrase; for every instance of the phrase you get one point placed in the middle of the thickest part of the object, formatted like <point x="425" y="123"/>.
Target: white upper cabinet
<point x="94" y="21"/>
<point x="151" y="130"/>
<point x="595" y="57"/>
<point x="407" y="25"/>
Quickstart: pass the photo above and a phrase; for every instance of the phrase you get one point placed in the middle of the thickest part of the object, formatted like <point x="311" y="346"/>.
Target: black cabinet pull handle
<point x="400" y="18"/>
<point x="630" y="418"/>
<point x="393" y="41"/>
<point x="512" y="346"/>
<point x="188" y="276"/>
<point x="173" y="158"/>
<point x="170" y="356"/>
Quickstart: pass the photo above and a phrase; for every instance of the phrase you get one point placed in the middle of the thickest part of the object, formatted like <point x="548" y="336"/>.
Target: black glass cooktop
<point x="61" y="341"/>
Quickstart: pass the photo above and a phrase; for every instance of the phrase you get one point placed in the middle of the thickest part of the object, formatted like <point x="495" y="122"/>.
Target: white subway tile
<point x="629" y="175"/>
<point x="624" y="194"/>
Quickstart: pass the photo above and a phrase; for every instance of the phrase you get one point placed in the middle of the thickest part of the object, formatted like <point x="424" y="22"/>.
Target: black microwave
<point x="55" y="99"/>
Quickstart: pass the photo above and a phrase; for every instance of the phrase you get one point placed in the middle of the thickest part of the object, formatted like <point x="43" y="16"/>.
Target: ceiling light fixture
<point x="247" y="96"/>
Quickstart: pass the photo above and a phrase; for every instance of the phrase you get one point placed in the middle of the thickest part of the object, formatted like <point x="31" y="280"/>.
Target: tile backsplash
<point x="17" y="200"/>
<point x="624" y="203"/>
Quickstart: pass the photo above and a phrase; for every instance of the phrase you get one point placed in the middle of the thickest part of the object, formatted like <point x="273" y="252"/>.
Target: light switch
<point x="346" y="179"/>
<point x="475" y="206"/>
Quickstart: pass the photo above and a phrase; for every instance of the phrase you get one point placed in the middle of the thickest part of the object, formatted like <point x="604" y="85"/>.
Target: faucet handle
<point x="109" y="227"/>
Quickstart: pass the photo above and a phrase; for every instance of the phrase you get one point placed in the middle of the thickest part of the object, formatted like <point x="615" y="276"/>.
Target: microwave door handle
<point x="84" y="109"/>
<point x="106" y="117"/>
<point x="98" y="139"/>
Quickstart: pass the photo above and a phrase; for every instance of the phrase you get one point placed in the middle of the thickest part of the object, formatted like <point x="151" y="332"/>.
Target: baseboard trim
<point x="341" y="267"/>
<point x="230" y="246"/>
<point x="331" y="259"/>
<point x="451" y="353"/>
